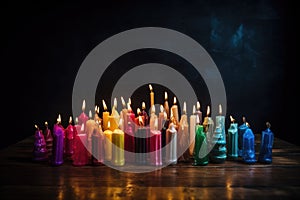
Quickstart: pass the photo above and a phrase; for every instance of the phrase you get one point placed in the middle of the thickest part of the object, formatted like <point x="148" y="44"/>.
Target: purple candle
<point x="58" y="143"/>
<point x="48" y="139"/>
<point x="40" y="152"/>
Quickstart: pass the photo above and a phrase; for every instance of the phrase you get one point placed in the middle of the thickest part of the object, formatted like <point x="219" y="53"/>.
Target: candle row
<point x="138" y="138"/>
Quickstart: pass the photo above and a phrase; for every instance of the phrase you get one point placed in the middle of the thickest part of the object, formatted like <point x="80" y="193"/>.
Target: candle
<point x="114" y="118"/>
<point x="48" y="138"/>
<point x="58" y="143"/>
<point x="90" y="127"/>
<point x="267" y="139"/>
<point x="183" y="136"/>
<point x="241" y="130"/>
<point x="144" y="113"/>
<point x="153" y="118"/>
<point x="80" y="156"/>
<point x="174" y="110"/>
<point x="118" y="156"/>
<point x="151" y="96"/>
<point x="96" y="115"/>
<point x="163" y="137"/>
<point x="155" y="145"/>
<point x="198" y="111"/>
<point x="108" y="144"/>
<point x="129" y="142"/>
<point x="248" y="149"/>
<point x="208" y="126"/>
<point x="105" y="115"/>
<point x="98" y="141"/>
<point x="166" y="105"/>
<point x="40" y="152"/>
<point x="220" y="121"/>
<point x="123" y="114"/>
<point x="82" y="118"/>
<point x="192" y="132"/>
<point x="233" y="139"/>
<point x="161" y="117"/>
<point x="171" y="142"/>
<point x="141" y="142"/>
<point x="201" y="145"/>
<point x="69" y="139"/>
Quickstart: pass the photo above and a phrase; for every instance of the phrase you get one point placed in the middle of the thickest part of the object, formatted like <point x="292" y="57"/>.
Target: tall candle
<point x="161" y="117"/>
<point x="144" y="114"/>
<point x="155" y="145"/>
<point x="58" y="143"/>
<point x="171" y="142"/>
<point x="123" y="114"/>
<point x="266" y="145"/>
<point x="82" y="118"/>
<point x="80" y="156"/>
<point x="141" y="142"/>
<point x="183" y="136"/>
<point x="166" y="105"/>
<point x="118" y="156"/>
<point x="233" y="139"/>
<point x="192" y="132"/>
<point x="208" y="126"/>
<point x="201" y="156"/>
<point x="220" y="121"/>
<point x="198" y="111"/>
<point x="163" y="138"/>
<point x="105" y="115"/>
<point x="248" y="149"/>
<point x="40" y="152"/>
<point x="114" y="118"/>
<point x="174" y="109"/>
<point x="108" y="143"/>
<point x="153" y="118"/>
<point x="98" y="141"/>
<point x="129" y="143"/>
<point x="91" y="125"/>
<point x="48" y="138"/>
<point x="69" y="139"/>
<point x="151" y="96"/>
<point x="241" y="130"/>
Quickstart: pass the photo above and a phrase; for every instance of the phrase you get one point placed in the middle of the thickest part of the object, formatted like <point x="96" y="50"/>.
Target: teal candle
<point x="248" y="149"/>
<point x="218" y="152"/>
<point x="233" y="140"/>
<point x="266" y="145"/>
<point x="201" y="146"/>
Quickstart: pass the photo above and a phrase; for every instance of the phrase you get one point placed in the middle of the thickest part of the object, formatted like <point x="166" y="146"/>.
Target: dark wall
<point x="250" y="42"/>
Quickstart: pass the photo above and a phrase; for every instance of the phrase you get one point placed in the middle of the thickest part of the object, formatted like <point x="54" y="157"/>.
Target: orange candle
<point x="105" y="115"/>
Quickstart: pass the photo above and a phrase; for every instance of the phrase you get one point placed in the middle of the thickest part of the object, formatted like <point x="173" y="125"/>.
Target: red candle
<point x="82" y="118"/>
<point x="80" y="155"/>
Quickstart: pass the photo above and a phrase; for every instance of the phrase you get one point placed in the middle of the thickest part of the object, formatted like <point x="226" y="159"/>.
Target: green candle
<point x="233" y="140"/>
<point x="201" y="146"/>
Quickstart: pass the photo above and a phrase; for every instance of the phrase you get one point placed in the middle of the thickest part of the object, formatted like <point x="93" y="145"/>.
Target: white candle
<point x="192" y="131"/>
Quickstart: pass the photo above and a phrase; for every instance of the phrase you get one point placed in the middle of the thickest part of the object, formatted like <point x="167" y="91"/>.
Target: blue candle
<point x="241" y="130"/>
<point x="267" y="139"/>
<point x="248" y="148"/>
<point x="233" y="140"/>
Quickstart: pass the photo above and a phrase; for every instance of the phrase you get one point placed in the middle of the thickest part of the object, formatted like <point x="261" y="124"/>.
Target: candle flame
<point x="184" y="107"/>
<point x="90" y="114"/>
<point x="129" y="100"/>
<point x="96" y="109"/>
<point x="83" y="106"/>
<point x="104" y="105"/>
<point x="141" y="123"/>
<point x="208" y="111"/>
<point x="59" y="119"/>
<point x="143" y="105"/>
<point x="108" y="124"/>
<point x="36" y="126"/>
<point x="268" y="124"/>
<point x="129" y="107"/>
<point x="46" y="123"/>
<point x="166" y="96"/>
<point x="244" y="119"/>
<point x="115" y="103"/>
<point x="198" y="105"/>
<point x="174" y="101"/>
<point x="138" y="111"/>
<point x="70" y="119"/>
<point x="123" y="102"/>
<point x="161" y="108"/>
<point x="76" y="120"/>
<point x="194" y="109"/>
<point x="150" y="87"/>
<point x="220" y="109"/>
<point x="232" y="119"/>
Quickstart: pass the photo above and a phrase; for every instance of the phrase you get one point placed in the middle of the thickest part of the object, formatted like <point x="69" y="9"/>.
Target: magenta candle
<point x="58" y="144"/>
<point x="48" y="139"/>
<point x="80" y="155"/>
<point x="40" y="152"/>
<point x="69" y="139"/>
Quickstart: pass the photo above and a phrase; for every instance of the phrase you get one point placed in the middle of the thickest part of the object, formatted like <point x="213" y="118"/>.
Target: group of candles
<point x="125" y="137"/>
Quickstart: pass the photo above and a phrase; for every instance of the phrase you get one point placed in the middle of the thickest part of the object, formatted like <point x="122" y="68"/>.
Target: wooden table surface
<point x="21" y="178"/>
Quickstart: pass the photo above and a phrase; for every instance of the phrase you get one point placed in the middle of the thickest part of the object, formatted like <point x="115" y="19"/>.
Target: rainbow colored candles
<point x="266" y="145"/>
<point x="232" y="140"/>
<point x="58" y="144"/>
<point x="171" y="144"/>
<point x="248" y="148"/>
<point x="201" y="146"/>
<point x="40" y="152"/>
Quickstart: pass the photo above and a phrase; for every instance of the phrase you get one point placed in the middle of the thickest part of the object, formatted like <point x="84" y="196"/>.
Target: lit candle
<point x="118" y="156"/>
<point x="58" y="143"/>
<point x="96" y="115"/>
<point x="155" y="145"/>
<point x="171" y="142"/>
<point x="266" y="145"/>
<point x="80" y="156"/>
<point x="151" y="96"/>
<point x="233" y="139"/>
<point x="48" y="138"/>
<point x="183" y="136"/>
<point x="198" y="111"/>
<point x="129" y="143"/>
<point x="248" y="148"/>
<point x="166" y="105"/>
<point x="208" y="126"/>
<point x="90" y="126"/>
<point x="220" y="121"/>
<point x="82" y="118"/>
<point x="114" y="117"/>
<point x="153" y="118"/>
<point x="123" y="114"/>
<point x="40" y="152"/>
<point x="144" y="113"/>
<point x="192" y="132"/>
<point x="161" y="117"/>
<point x="105" y="115"/>
<point x="69" y="139"/>
<point x="130" y="115"/>
<point x="98" y="141"/>
<point x="201" y="145"/>
<point x="108" y="143"/>
<point x="141" y="142"/>
<point x="241" y="130"/>
<point x="174" y="110"/>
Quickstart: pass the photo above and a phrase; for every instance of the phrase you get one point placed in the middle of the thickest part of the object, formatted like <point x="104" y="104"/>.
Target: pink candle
<point x="129" y="143"/>
<point x="82" y="118"/>
<point x="80" y="155"/>
<point x="69" y="139"/>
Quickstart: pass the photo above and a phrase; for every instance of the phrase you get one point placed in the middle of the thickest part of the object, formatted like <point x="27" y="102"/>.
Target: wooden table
<point x="21" y="178"/>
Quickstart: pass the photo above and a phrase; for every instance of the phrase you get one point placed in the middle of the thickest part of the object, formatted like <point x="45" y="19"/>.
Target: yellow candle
<point x="114" y="117"/>
<point x="108" y="143"/>
<point x="105" y="116"/>
<point x="118" y="155"/>
<point x="151" y="96"/>
<point x="166" y="105"/>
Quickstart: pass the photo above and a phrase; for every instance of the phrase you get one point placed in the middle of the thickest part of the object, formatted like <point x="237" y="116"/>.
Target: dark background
<point x="251" y="42"/>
